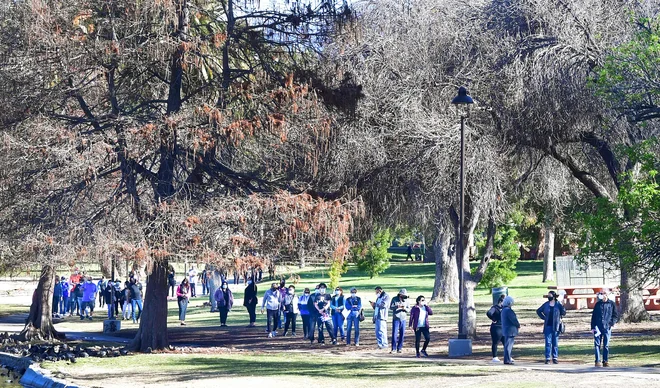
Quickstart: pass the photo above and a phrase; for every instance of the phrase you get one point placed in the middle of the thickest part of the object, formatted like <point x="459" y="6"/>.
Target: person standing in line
<point x="100" y="286"/>
<point x="57" y="297"/>
<point x="250" y="301"/>
<point x="110" y="299"/>
<point x="224" y="299"/>
<point x="182" y="298"/>
<point x="283" y="291"/>
<point x="381" y="307"/>
<point x="171" y="279"/>
<point x="64" y="302"/>
<point x="127" y="308"/>
<point x="77" y="297"/>
<point x="551" y="312"/>
<point x="495" y="315"/>
<point x="192" y="279"/>
<point x="136" y="299"/>
<point x="291" y="310"/>
<point x="419" y="322"/>
<point x="88" y="299"/>
<point x="202" y="279"/>
<point x="510" y="327"/>
<point x="603" y="318"/>
<point x="337" y="309"/>
<point x="400" y="307"/>
<point x="353" y="305"/>
<point x="304" y="311"/>
<point x="272" y="301"/>
<point x="319" y="305"/>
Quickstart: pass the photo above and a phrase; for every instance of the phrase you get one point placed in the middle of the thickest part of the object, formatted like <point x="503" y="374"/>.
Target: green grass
<point x="11" y="309"/>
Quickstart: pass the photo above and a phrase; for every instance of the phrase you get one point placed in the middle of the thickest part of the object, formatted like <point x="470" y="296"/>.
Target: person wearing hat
<point x="400" y="307"/>
<point x="353" y="305"/>
<point x="381" y="307"/>
<point x="319" y="306"/>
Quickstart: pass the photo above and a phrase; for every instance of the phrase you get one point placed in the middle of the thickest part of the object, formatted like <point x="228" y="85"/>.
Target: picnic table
<point x="651" y="296"/>
<point x="579" y="295"/>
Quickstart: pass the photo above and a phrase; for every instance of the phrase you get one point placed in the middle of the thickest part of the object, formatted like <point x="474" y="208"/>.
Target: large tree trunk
<point x="540" y="246"/>
<point x="301" y="258"/>
<point x="632" y="304"/>
<point x="549" y="254"/>
<point x="152" y="334"/>
<point x="445" y="287"/>
<point x="39" y="324"/>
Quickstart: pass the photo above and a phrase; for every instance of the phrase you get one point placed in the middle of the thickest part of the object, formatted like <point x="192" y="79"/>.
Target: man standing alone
<point x="192" y="278"/>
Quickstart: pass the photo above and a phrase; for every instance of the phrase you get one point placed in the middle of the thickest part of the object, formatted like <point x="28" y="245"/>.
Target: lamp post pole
<point x="461" y="299"/>
<point x="461" y="99"/>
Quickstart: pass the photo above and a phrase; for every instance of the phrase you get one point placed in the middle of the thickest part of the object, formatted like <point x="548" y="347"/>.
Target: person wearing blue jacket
<point x="64" y="302"/>
<point x="551" y="313"/>
<point x="353" y="305"/>
<point x="304" y="311"/>
<point x="57" y="297"/>
<point x="272" y="301"/>
<point x="510" y="326"/>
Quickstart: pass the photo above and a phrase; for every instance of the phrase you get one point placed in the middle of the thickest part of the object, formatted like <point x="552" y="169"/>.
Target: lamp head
<point x="462" y="98"/>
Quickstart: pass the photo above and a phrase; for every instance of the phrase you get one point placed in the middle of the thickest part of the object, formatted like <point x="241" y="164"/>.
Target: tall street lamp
<point x="463" y="346"/>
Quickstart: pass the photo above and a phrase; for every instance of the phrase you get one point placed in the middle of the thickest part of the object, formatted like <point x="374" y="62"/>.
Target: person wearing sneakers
<point x="250" y="300"/>
<point x="381" y="307"/>
<point x="419" y="322"/>
<point x="290" y="310"/>
<point x="495" y="315"/>
<point x="183" y="294"/>
<point x="603" y="319"/>
<point x="319" y="307"/>
<point x="272" y="301"/>
<point x="88" y="299"/>
<point x="510" y="327"/>
<point x="400" y="307"/>
<point x="551" y="313"/>
<point x="353" y="304"/>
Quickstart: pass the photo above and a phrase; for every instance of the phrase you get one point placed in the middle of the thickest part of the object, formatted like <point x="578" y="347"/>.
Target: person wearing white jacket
<point x="272" y="301"/>
<point x="291" y="310"/>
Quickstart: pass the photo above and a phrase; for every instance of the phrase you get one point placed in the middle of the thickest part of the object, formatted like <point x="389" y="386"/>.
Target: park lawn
<point x="12" y="309"/>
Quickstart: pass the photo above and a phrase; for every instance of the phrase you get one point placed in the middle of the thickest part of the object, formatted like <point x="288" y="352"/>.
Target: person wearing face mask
<point x="551" y="312"/>
<point x="272" y="301"/>
<point x="495" y="315"/>
<point x="419" y="322"/>
<point x="183" y="298"/>
<point x="224" y="300"/>
<point x="510" y="327"/>
<point x="291" y="310"/>
<point x="400" y="307"/>
<point x="283" y="291"/>
<point x="337" y="308"/>
<point x="381" y="307"/>
<point x="250" y="301"/>
<point x="88" y="299"/>
<point x="319" y="306"/>
<point x="603" y="318"/>
<point x="304" y="311"/>
<point x="353" y="304"/>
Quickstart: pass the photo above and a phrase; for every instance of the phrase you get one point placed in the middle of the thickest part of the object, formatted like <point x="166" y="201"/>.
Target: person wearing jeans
<point x="272" y="301"/>
<point x="88" y="299"/>
<point x="136" y="299"/>
<point x="291" y="310"/>
<point x="319" y="306"/>
<point x="419" y="322"/>
<point x="400" y="307"/>
<point x="510" y="327"/>
<point x="551" y="313"/>
<point x="304" y="311"/>
<point x="353" y="304"/>
<point x="64" y="302"/>
<point x="381" y="307"/>
<point x="182" y="298"/>
<point x="603" y="319"/>
<point x="495" y="315"/>
<point x="337" y="309"/>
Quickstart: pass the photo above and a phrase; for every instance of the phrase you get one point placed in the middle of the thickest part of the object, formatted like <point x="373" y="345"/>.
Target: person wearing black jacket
<point x="110" y="298"/>
<point x="551" y="312"/>
<point x="250" y="300"/>
<point x="319" y="306"/>
<point x="495" y="315"/>
<point x="603" y="318"/>
<point x="136" y="299"/>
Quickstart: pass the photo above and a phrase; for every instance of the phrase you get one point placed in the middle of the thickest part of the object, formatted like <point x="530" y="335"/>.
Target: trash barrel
<point x="497" y="291"/>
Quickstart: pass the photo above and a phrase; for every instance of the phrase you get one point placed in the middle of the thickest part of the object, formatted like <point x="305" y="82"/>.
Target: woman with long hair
<point x="419" y="322"/>
<point x="182" y="297"/>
